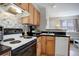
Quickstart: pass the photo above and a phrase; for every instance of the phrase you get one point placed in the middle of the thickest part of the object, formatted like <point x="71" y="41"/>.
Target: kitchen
<point x="25" y="32"/>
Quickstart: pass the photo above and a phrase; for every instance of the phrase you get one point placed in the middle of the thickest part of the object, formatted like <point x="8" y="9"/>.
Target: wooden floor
<point x="74" y="51"/>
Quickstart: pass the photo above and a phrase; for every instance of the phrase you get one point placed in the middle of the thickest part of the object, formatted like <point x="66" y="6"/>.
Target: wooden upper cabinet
<point x="36" y="17"/>
<point x="31" y="16"/>
<point x="23" y="6"/>
<point x="25" y="20"/>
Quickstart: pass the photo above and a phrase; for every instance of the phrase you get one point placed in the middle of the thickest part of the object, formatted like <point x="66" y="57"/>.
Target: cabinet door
<point x="25" y="20"/>
<point x="43" y="43"/>
<point x="39" y="46"/>
<point x="35" y="17"/>
<point x="50" y="46"/>
<point x="31" y="16"/>
<point x="38" y="21"/>
<point x="61" y="47"/>
<point x="23" y="6"/>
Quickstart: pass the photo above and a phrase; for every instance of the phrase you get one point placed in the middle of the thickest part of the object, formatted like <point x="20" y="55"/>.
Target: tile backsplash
<point x="11" y="22"/>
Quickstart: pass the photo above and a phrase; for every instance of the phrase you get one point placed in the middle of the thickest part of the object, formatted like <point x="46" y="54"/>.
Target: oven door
<point x="29" y="49"/>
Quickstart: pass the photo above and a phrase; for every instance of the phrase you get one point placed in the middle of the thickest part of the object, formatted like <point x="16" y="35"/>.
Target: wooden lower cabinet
<point x="53" y="46"/>
<point x="38" y="49"/>
<point x="50" y="46"/>
<point x="43" y="43"/>
<point x="45" y="46"/>
<point x="38" y="46"/>
<point x="7" y="53"/>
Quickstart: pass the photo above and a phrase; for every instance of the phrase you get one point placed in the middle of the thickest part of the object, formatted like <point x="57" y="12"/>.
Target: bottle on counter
<point x="23" y="33"/>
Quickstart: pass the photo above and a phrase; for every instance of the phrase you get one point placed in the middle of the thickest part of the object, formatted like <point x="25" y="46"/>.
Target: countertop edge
<point x="53" y="35"/>
<point x="4" y="49"/>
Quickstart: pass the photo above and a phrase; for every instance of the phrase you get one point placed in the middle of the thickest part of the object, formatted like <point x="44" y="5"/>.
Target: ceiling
<point x="58" y="4"/>
<point x="61" y="9"/>
<point x="45" y="4"/>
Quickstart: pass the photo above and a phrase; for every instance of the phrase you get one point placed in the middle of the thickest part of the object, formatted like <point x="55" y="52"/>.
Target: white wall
<point x="62" y="10"/>
<point x="53" y="21"/>
<point x="43" y="21"/>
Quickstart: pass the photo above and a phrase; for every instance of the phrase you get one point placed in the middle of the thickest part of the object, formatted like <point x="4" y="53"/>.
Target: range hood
<point x="14" y="9"/>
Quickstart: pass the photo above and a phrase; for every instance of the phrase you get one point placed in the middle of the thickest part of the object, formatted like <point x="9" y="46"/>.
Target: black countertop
<point x="53" y="35"/>
<point x="4" y="49"/>
<point x="61" y="36"/>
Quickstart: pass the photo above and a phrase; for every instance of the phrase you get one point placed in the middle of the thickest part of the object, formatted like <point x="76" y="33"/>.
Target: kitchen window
<point x="69" y="25"/>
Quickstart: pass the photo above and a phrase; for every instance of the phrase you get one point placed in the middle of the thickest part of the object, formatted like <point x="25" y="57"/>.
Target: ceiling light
<point x="13" y="9"/>
<point x="54" y="6"/>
